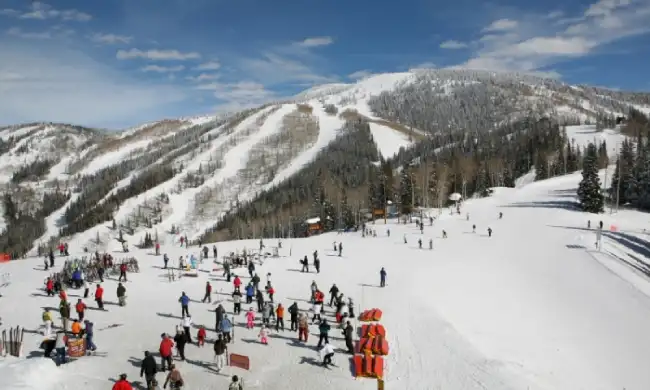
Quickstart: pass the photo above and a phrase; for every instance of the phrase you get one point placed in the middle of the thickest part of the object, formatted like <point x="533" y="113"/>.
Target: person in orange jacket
<point x="122" y="384"/>
<point x="165" y="350"/>
<point x="99" y="297"/>
<point x="200" y="336"/>
<point x="279" y="317"/>
<point x="63" y="295"/>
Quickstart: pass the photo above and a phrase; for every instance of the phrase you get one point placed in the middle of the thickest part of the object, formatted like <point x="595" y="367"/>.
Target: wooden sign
<point x="240" y="361"/>
<point x="380" y="384"/>
<point x="76" y="347"/>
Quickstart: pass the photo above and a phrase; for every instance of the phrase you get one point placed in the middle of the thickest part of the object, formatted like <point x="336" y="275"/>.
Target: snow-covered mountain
<point x="185" y="173"/>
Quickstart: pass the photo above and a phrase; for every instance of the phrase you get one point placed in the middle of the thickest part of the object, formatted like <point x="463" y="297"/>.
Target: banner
<point x="76" y="347"/>
<point x="240" y="361"/>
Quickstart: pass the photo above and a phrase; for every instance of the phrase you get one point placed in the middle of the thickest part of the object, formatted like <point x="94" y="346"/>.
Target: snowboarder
<point x="324" y="330"/>
<point x="293" y="312"/>
<point x="250" y="319"/>
<point x="121" y="294"/>
<point x="185" y="301"/>
<point x="489" y="232"/>
<point x="220" y="352"/>
<point x="327" y="353"/>
<point x="382" y="277"/>
<point x="165" y="350"/>
<point x="347" y="333"/>
<point x="208" y="291"/>
<point x="148" y="368"/>
<point x="264" y="335"/>
<point x="226" y="328"/>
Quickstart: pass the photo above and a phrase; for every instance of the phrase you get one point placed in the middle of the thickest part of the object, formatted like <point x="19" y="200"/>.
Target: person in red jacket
<point x="49" y="286"/>
<point x="63" y="295"/>
<point x="99" y="297"/>
<point x="201" y="336"/>
<point x="166" y="346"/>
<point x="122" y="272"/>
<point x="236" y="282"/>
<point x="81" y="308"/>
<point x="122" y="384"/>
<point x="208" y="291"/>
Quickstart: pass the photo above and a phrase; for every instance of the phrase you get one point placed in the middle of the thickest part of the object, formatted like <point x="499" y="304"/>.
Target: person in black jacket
<point x="221" y="352"/>
<point x="293" y="312"/>
<point x="180" y="339"/>
<point x="121" y="294"/>
<point x="334" y="292"/>
<point x="347" y="333"/>
<point x="149" y="369"/>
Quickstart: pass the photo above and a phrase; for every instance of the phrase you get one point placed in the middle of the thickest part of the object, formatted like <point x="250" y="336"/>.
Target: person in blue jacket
<point x="382" y="275"/>
<point x="76" y="278"/>
<point x="226" y="328"/>
<point x="250" y="293"/>
<point x="185" y="302"/>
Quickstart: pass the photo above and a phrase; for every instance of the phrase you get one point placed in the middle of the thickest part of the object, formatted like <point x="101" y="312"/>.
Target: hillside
<point x="182" y="175"/>
<point x="535" y="306"/>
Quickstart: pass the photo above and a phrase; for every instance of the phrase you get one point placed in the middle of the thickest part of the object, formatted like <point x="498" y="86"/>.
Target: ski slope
<point x="536" y="306"/>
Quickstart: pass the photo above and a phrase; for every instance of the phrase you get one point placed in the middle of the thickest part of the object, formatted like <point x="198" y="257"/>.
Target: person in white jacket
<point x="59" y="346"/>
<point x="326" y="354"/>
<point x="186" y="323"/>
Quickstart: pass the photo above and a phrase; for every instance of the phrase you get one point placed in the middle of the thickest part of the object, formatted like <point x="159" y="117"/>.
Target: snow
<point x="584" y="134"/>
<point x="388" y="141"/>
<point x="113" y="157"/>
<point x="536" y="306"/>
<point x="5" y="134"/>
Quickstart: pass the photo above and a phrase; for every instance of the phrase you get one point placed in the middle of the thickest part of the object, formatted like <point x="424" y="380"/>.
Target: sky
<point x="119" y="63"/>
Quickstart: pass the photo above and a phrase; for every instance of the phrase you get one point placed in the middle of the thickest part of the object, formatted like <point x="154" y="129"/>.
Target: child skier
<point x="250" y="319"/>
<point x="200" y="336"/>
<point x="264" y="334"/>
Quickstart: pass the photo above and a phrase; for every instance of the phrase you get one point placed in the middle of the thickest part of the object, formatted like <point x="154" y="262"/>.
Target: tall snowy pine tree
<point x="591" y="199"/>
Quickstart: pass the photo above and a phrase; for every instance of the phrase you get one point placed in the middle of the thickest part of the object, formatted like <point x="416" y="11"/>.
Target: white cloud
<point x="532" y="44"/>
<point x="238" y="95"/>
<point x="360" y="74"/>
<point x="52" y="83"/>
<point x="275" y="69"/>
<point x="502" y="25"/>
<point x="162" y="69"/>
<point x="171" y="55"/>
<point x="452" y="44"/>
<point x="315" y="42"/>
<point x="202" y="77"/>
<point x="111" y="39"/>
<point x="42" y="11"/>
<point x="212" y="65"/>
<point x="17" y="32"/>
<point x="424" y="65"/>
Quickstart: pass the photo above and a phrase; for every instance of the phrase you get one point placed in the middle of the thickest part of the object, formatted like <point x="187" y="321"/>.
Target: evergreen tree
<point x="589" y="195"/>
<point x="622" y="177"/>
<point x="347" y="216"/>
<point x="639" y="189"/>
<point x="406" y="190"/>
<point x="541" y="167"/>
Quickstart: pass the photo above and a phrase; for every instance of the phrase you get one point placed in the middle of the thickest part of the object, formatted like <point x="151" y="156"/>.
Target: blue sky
<point x="117" y="63"/>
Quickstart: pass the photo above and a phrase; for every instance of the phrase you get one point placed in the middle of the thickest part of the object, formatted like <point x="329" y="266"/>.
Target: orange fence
<point x="4" y="257"/>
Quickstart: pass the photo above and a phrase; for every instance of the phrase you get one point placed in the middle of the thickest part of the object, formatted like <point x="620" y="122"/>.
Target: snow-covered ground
<point x="535" y="306"/>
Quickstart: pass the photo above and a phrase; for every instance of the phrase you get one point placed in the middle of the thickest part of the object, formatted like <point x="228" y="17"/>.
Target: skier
<point x="220" y="352"/>
<point x="251" y="269"/>
<point x="500" y="215"/>
<point x="473" y="228"/>
<point x="99" y="297"/>
<point x="236" y="299"/>
<point x="200" y="336"/>
<point x="185" y="301"/>
<point x="405" y="239"/>
<point x="313" y="287"/>
<point x="382" y="276"/>
<point x="157" y="248"/>
<point x="47" y="322"/>
<point x="279" y="320"/>
<point x="125" y="246"/>
<point x="49" y="287"/>
<point x="122" y="384"/>
<point x="264" y="335"/>
<point x="121" y="294"/>
<point x="60" y="348"/>
<point x="208" y="291"/>
<point x="226" y="328"/>
<point x="186" y="323"/>
<point x="293" y="312"/>
<point x="214" y="251"/>
<point x="340" y="249"/>
<point x="347" y="333"/>
<point x="260" y="301"/>
<point x="350" y="307"/>
<point x="80" y="307"/>
<point x="236" y="384"/>
<point x="444" y="234"/>
<point x="250" y="319"/>
<point x="174" y="378"/>
<point x="219" y="312"/>
<point x="90" y="334"/>
<point x="122" y="272"/>
<point x="334" y="291"/>
<point x="324" y="329"/>
<point x="165" y="260"/>
<point x="256" y="281"/>
<point x="180" y="340"/>
<point x="205" y="252"/>
<point x="327" y="353"/>
<point x="148" y="368"/>
<point x="317" y="264"/>
<point x="303" y="327"/>
<point x="489" y="232"/>
<point x="420" y="243"/>
<point x="266" y="314"/>
<point x="430" y="243"/>
<point x="182" y="241"/>
<point x="51" y="255"/>
<point x="236" y="283"/>
<point x="165" y="350"/>
<point x="388" y="232"/>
